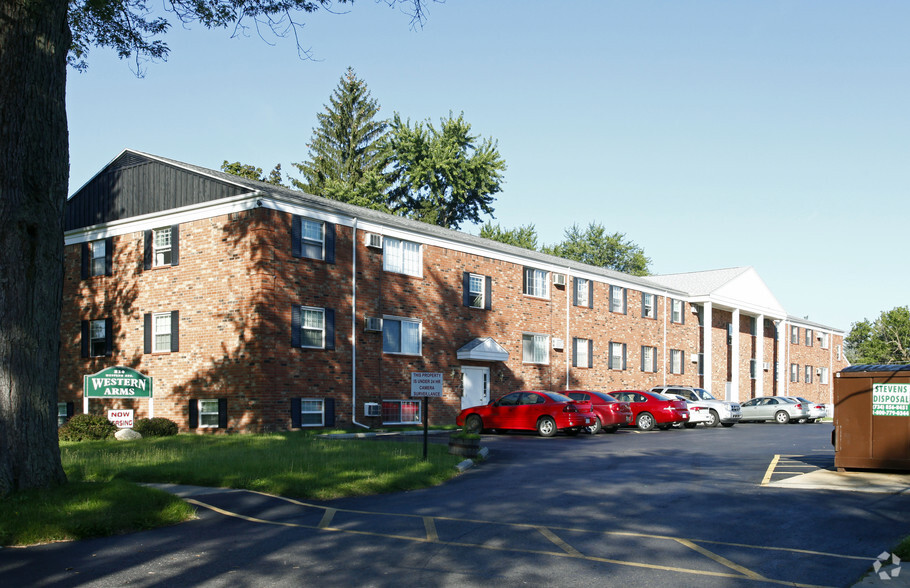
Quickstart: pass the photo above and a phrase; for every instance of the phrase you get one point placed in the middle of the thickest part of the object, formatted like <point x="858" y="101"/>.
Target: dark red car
<point x="611" y="413"/>
<point x="651" y="409"/>
<point x="545" y="412"/>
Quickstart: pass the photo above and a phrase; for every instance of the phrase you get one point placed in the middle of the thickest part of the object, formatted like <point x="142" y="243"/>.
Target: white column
<point x="760" y="355"/>
<point x="734" y="358"/>
<point x="706" y="345"/>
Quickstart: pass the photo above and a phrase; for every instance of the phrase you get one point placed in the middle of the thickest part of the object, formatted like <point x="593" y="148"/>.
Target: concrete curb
<point x="469" y="463"/>
<point x="382" y="434"/>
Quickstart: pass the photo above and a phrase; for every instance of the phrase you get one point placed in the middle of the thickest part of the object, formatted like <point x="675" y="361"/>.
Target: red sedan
<point x="652" y="409"/>
<point x="545" y="412"/>
<point x="610" y="412"/>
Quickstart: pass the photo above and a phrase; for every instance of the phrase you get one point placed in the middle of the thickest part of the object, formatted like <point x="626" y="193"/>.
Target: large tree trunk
<point x="34" y="170"/>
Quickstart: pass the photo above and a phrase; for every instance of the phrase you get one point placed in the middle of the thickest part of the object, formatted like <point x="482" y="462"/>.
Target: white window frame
<point x="165" y="320"/>
<point x="648" y="306"/>
<point x="304" y="328"/>
<point x="824" y="340"/>
<point x="617" y="360"/>
<point x="162" y="249"/>
<point x="311" y="411"/>
<point x="401" y="403"/>
<point x="388" y="321"/>
<point x="583" y="291"/>
<point x="402" y="257"/>
<point x="205" y="412"/>
<point x="476" y="287"/>
<point x="537" y="282"/>
<point x="581" y="352"/>
<point x="676" y="361"/>
<point x="305" y="239"/>
<point x="808" y="371"/>
<point x="531" y="345"/>
<point x="649" y="362"/>
<point x="97" y="335"/>
<point x="794" y="373"/>
<point x="794" y="335"/>
<point x="676" y="311"/>
<point x="823" y="377"/>
<point x="617" y="306"/>
<point x="98" y="249"/>
<point x="61" y="413"/>
<point x="809" y="333"/>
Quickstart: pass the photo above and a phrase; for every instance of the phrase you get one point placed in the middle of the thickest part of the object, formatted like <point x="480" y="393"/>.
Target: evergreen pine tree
<point x="345" y="162"/>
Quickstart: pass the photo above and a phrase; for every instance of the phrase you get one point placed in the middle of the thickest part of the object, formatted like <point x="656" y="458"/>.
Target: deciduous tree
<point x="523" y="236"/>
<point x="884" y="340"/>
<point x="595" y="246"/>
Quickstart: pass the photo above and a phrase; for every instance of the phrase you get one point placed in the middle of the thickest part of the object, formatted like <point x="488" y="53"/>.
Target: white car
<point x="710" y="410"/>
<point x="699" y="412"/>
<point x="774" y="408"/>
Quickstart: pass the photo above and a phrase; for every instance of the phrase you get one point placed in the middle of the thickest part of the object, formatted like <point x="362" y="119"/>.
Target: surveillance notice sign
<point x="426" y="384"/>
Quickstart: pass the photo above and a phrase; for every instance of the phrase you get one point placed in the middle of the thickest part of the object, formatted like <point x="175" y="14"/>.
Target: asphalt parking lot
<point x="671" y="508"/>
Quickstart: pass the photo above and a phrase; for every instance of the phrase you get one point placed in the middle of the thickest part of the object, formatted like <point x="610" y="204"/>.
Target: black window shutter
<point x="175" y="330"/>
<point x="610" y="355"/>
<point x="654" y="357"/>
<point x="590" y="294"/>
<point x="625" y="301"/>
<point x="488" y="293"/>
<point x="329" y="242"/>
<point x="590" y="353"/>
<point x="86" y="255"/>
<point x="682" y="312"/>
<point x="194" y="413"/>
<point x="329" y="328"/>
<point x="574" y="351"/>
<point x="296" y="241"/>
<point x="147" y="255"/>
<point x="175" y="244"/>
<point x="643" y="351"/>
<point x="85" y="338"/>
<point x="524" y="280"/>
<point x="682" y="361"/>
<point x="623" y="356"/>
<point x="466" y="288"/>
<point x="70" y="410"/>
<point x="295" y="326"/>
<point x="574" y="291"/>
<point x="295" y="413"/>
<point x="147" y="332"/>
<point x="328" y="409"/>
<point x="108" y="337"/>
<point x="109" y="256"/>
<point x="222" y="413"/>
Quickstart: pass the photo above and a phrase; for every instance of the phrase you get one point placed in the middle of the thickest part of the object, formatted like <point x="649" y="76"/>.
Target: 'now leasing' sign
<point x="117" y="382"/>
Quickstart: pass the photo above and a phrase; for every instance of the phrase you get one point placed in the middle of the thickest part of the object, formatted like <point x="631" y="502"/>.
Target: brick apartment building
<point x="255" y="307"/>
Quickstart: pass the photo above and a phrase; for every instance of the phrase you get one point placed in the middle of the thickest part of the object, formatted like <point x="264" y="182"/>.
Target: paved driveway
<point x="665" y="508"/>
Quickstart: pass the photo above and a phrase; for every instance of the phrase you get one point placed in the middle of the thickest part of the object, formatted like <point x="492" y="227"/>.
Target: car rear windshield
<point x="557" y="397"/>
<point x="604" y="396"/>
<point x="660" y="396"/>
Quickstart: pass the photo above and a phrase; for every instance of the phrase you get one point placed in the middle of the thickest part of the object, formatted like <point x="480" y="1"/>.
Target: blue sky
<point x="713" y="134"/>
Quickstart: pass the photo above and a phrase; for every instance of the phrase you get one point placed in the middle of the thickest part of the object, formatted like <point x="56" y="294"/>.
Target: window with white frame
<point x="808" y="337"/>
<point x="582" y="292"/>
<point x="401" y="335"/>
<point x="677" y="358"/>
<point x="617" y="356"/>
<point x="62" y="413"/>
<point x="402" y="257"/>
<point x="536" y="282"/>
<point x="794" y="372"/>
<point x="161" y="246"/>
<point x="794" y="335"/>
<point x="475" y="290"/>
<point x="98" y="338"/>
<point x="161" y="332"/>
<point x="208" y="413"/>
<point x="535" y="348"/>
<point x="647" y="306"/>
<point x="99" y="260"/>
<point x="808" y="370"/>
<point x="581" y="353"/>
<point x="617" y="299"/>
<point x="312" y="327"/>
<point x="400" y="412"/>
<point x="824" y="340"/>
<point x="312" y="238"/>
<point x="676" y="311"/>
<point x="311" y="412"/>
<point x="823" y="377"/>
<point x="648" y="359"/>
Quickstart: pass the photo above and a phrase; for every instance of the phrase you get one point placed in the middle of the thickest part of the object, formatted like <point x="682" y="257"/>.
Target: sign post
<point x="426" y="385"/>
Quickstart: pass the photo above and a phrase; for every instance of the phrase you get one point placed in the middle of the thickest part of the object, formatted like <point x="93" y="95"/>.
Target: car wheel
<point x="728" y="425"/>
<point x="612" y="429"/>
<point x="689" y="425"/>
<point x="782" y="417"/>
<point x="473" y="424"/>
<point x="645" y="421"/>
<point x="596" y="428"/>
<point x="546" y="426"/>
<point x="810" y="420"/>
<point x="801" y="421"/>
<point x="713" y="419"/>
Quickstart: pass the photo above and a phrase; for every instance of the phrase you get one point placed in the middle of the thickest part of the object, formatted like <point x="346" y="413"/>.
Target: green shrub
<point x="86" y="427"/>
<point x="156" y="427"/>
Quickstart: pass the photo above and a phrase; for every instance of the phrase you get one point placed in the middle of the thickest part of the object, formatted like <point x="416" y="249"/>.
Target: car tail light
<point x="799" y="405"/>
<point x="570" y="408"/>
<point x="694" y="408"/>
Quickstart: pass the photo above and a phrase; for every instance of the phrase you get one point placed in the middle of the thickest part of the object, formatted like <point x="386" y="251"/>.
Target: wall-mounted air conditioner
<point x="818" y="371"/>
<point x="373" y="240"/>
<point x="767" y="366"/>
<point x="371" y="409"/>
<point x="557" y="343"/>
<point x="559" y="279"/>
<point x="372" y="323"/>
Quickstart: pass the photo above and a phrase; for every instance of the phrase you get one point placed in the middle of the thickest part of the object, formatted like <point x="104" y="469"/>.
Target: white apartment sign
<point x="891" y="400"/>
<point x="426" y="384"/>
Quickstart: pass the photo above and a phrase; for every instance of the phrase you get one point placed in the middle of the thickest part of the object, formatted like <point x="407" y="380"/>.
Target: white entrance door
<point x="476" y="384"/>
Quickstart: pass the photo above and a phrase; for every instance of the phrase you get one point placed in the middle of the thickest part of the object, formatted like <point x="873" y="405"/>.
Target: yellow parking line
<point x="770" y="471"/>
<point x="559" y="542"/>
<point x="327" y="518"/>
<point x="430" y="525"/>
<point x="722" y="560"/>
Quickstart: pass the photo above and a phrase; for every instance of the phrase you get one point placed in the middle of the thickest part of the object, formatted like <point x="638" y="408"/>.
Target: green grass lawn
<point x="103" y="497"/>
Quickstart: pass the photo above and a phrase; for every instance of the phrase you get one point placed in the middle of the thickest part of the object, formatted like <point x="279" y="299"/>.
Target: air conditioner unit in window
<point x="372" y="323"/>
<point x="373" y="240"/>
<point x="693" y="308"/>
<point x="767" y="366"/>
<point x="693" y="357"/>
<point x="557" y="343"/>
<point x="559" y="279"/>
<point x="818" y="371"/>
<point x="371" y="409"/>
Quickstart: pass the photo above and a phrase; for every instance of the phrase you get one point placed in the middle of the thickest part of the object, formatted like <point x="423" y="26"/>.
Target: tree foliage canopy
<point x="884" y="340"/>
<point x="594" y="246"/>
<point x="252" y="172"/>
<point x="523" y="236"/>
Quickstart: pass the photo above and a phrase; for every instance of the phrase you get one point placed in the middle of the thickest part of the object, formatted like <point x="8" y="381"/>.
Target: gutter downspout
<point x="568" y="349"/>
<point x="666" y="359"/>
<point x="354" y="326"/>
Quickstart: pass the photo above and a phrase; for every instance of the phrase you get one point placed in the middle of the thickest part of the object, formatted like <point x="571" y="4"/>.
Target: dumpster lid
<point x="883" y="367"/>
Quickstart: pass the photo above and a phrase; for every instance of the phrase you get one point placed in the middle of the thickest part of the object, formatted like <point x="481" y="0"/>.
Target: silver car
<point x="817" y="410"/>
<point x="774" y="408"/>
<point x="704" y="407"/>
